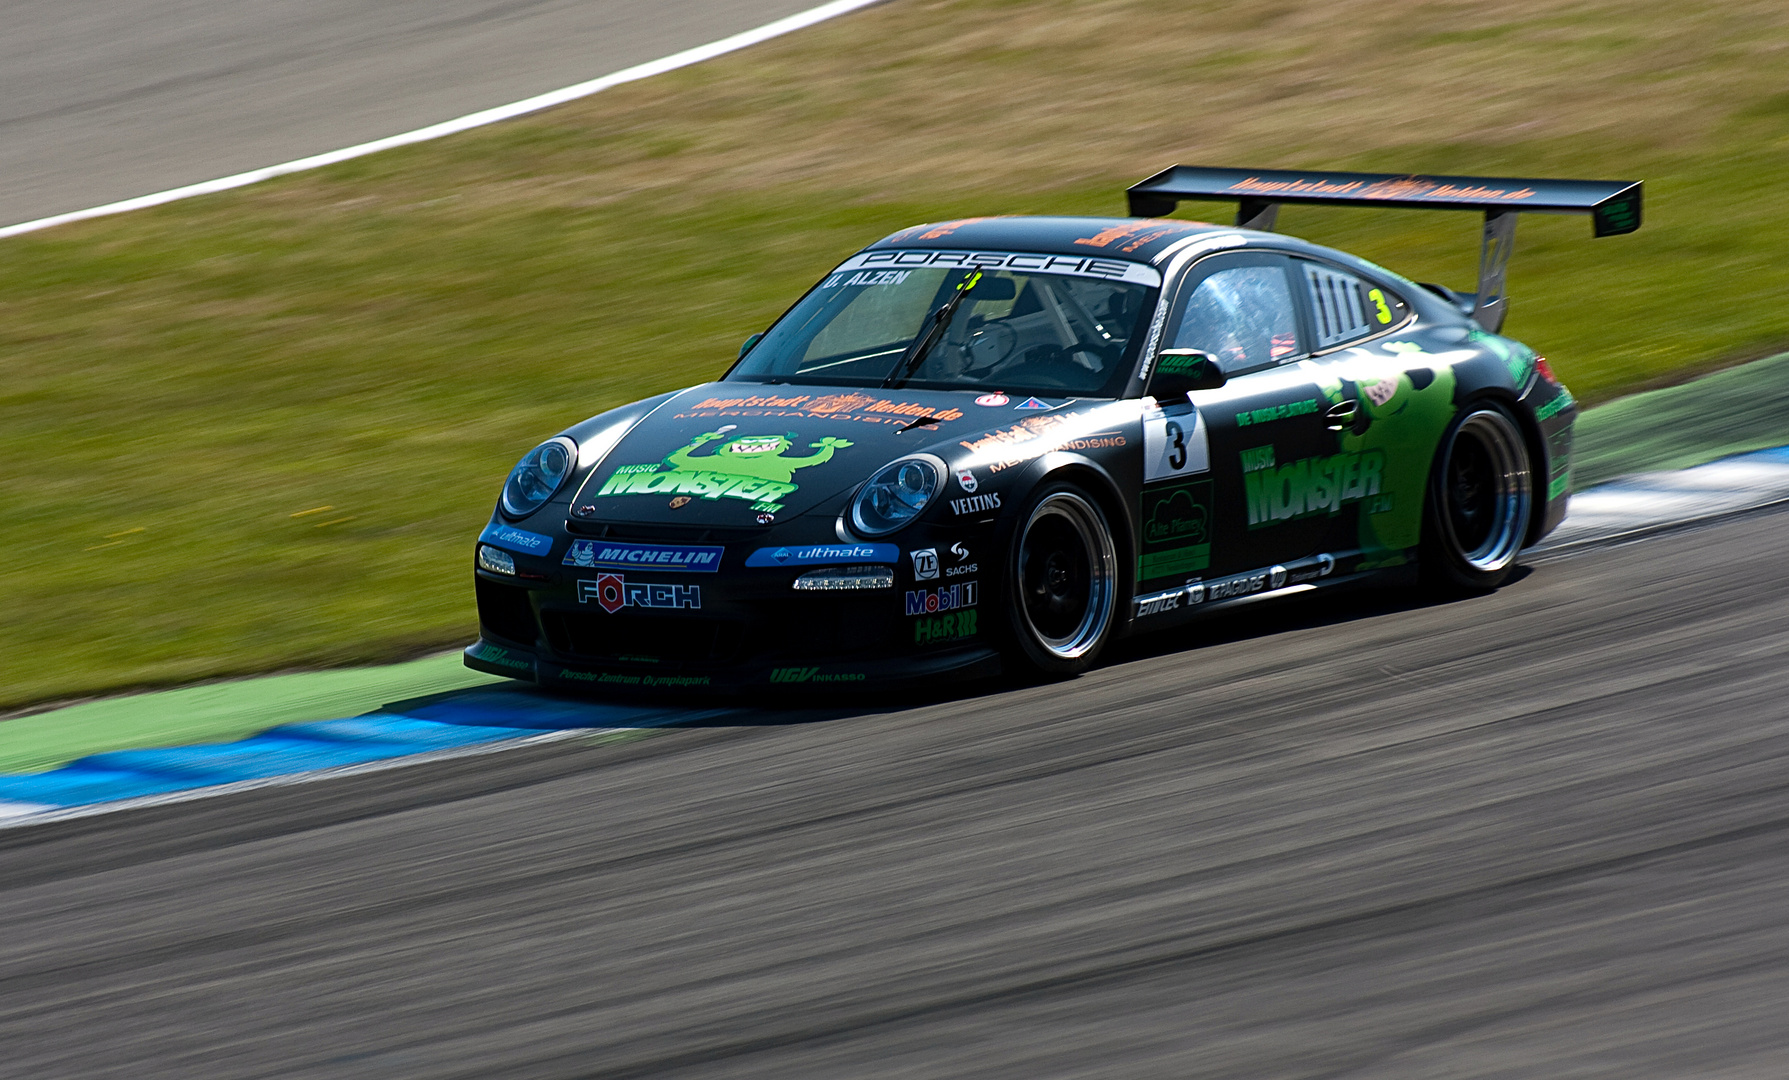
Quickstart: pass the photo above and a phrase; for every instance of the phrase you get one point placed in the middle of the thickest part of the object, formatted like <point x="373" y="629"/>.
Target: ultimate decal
<point x="748" y="467"/>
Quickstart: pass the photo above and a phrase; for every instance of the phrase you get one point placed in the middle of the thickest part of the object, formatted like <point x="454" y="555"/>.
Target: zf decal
<point x="925" y="564"/>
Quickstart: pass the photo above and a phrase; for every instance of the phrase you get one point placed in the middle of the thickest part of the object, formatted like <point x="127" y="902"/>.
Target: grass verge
<point x="259" y="429"/>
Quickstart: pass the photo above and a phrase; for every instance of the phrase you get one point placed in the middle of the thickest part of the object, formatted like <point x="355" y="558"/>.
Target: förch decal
<point x="612" y="592"/>
<point x="748" y="467"/>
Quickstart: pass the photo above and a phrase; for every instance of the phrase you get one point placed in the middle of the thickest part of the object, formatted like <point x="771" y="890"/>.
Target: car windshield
<point x="1037" y="323"/>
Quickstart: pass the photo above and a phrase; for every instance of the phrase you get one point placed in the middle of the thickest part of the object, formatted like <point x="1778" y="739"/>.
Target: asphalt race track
<point x="1540" y="833"/>
<point x="102" y="100"/>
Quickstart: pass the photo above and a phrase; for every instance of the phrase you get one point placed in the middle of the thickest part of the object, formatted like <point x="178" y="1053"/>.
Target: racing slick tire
<point x="1481" y="494"/>
<point x="1062" y="588"/>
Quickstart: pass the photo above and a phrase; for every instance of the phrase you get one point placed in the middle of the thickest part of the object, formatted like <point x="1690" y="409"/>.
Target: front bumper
<point x="742" y="624"/>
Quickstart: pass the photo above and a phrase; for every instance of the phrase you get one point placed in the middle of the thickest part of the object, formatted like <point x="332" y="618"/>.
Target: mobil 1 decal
<point x="1175" y="527"/>
<point x="1174" y="443"/>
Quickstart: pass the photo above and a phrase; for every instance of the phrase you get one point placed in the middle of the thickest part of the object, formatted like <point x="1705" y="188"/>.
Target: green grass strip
<point x="220" y="712"/>
<point x="1729" y="412"/>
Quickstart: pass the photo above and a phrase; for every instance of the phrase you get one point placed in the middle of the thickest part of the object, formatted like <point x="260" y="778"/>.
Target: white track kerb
<point x="464" y="123"/>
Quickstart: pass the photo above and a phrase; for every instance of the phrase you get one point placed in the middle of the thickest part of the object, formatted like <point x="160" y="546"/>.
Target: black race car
<point x="1004" y="441"/>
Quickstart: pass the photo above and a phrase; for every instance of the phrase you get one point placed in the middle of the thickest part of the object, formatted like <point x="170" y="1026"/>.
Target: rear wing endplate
<point x="1613" y="206"/>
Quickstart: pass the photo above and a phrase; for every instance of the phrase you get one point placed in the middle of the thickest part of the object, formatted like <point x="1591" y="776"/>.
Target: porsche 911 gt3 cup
<point x="999" y="443"/>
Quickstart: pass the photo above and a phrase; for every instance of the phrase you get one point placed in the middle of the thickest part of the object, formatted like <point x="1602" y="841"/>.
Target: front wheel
<point x="1481" y="494"/>
<point x="1063" y="584"/>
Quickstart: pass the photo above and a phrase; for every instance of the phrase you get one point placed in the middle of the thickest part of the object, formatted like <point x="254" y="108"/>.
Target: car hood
<point x="721" y="454"/>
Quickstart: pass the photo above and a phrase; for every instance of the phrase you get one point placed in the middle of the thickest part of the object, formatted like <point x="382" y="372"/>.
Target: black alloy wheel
<point x="1064" y="584"/>
<point x="1480" y="499"/>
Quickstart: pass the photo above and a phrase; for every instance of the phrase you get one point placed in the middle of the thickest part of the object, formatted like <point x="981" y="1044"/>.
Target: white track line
<point x="449" y="127"/>
<point x="1648" y="503"/>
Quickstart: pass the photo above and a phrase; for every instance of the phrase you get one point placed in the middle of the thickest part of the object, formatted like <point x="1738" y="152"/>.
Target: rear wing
<point x="1613" y="206"/>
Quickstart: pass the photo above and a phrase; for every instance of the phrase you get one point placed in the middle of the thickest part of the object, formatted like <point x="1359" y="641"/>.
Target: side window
<point x="1243" y="316"/>
<point x="1344" y="308"/>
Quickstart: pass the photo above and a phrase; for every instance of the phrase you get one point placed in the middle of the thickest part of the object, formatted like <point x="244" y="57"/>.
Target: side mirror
<point x="1178" y="372"/>
<point x="749" y="342"/>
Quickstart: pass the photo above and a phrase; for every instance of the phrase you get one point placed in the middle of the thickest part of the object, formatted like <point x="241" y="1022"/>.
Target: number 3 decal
<point x="1174" y="445"/>
<point x="1381" y="312"/>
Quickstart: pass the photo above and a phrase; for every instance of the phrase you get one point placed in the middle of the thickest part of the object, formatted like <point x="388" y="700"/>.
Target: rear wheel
<point x="1063" y="585"/>
<point x="1481" y="494"/>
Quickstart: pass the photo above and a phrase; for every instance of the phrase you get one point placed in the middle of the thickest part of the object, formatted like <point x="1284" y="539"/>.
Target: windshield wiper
<point x="940" y="322"/>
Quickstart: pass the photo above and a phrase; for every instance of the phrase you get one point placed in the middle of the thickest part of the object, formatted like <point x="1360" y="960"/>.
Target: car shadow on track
<point x="532" y="709"/>
<point x="1307" y="611"/>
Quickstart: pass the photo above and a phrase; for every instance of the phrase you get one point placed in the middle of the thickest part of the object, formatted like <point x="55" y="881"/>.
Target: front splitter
<point x="953" y="665"/>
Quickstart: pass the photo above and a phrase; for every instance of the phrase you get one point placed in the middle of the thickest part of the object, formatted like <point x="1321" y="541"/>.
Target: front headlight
<point x="896" y="495"/>
<point x="532" y="482"/>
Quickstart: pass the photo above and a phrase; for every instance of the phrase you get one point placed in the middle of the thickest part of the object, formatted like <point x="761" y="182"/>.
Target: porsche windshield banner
<point x="1016" y="262"/>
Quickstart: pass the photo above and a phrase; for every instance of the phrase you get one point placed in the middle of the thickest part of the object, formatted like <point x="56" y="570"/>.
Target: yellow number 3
<point x="1378" y="299"/>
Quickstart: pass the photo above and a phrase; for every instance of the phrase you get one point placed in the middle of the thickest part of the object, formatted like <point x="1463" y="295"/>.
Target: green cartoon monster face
<point x="750" y="467"/>
<point x="755" y="444"/>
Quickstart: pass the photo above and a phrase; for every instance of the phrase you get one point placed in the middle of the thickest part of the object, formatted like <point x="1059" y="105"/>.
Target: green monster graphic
<point x="1402" y="415"/>
<point x="749" y="467"/>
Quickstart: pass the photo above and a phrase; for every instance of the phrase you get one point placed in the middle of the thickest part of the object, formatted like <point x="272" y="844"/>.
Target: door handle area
<point x="1342" y="415"/>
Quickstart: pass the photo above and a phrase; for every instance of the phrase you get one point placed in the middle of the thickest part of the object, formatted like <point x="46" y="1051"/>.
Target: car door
<point x="1384" y="401"/>
<point x="1256" y="435"/>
